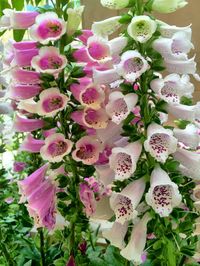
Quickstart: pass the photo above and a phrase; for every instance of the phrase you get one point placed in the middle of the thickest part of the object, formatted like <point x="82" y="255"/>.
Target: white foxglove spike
<point x="160" y="142"/>
<point x="163" y="194"/>
<point x="142" y="28"/>
<point x="119" y="105"/>
<point x="190" y="160"/>
<point x="123" y="161"/>
<point x="188" y="136"/>
<point x="124" y="203"/>
<point x="135" y="248"/>
<point x="173" y="87"/>
<point x="116" y="234"/>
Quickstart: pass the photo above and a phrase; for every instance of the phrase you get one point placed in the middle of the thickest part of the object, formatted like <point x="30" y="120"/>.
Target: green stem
<point x="42" y="249"/>
<point x="139" y="7"/>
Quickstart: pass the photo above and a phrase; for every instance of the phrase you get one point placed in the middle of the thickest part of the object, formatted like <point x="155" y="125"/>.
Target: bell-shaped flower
<point x="105" y="174"/>
<point x="115" y="4"/>
<point x="175" y="48"/>
<point x="142" y="28"/>
<point x="116" y="234"/>
<point x="17" y="19"/>
<point x="123" y="161"/>
<point x="188" y="136"/>
<point x="89" y="95"/>
<point x="173" y="87"/>
<point x="87" y="150"/>
<point x="22" y="124"/>
<point x="32" y="145"/>
<point x="23" y="76"/>
<point x="105" y="76"/>
<point x="74" y="19"/>
<point x="119" y="105"/>
<point x="190" y="160"/>
<point x="124" y="203"/>
<point x="55" y="148"/>
<point x="135" y="248"/>
<point x="132" y="66"/>
<point x="23" y="91"/>
<point x="48" y="27"/>
<point x="87" y="198"/>
<point x="190" y="172"/>
<point x="106" y="27"/>
<point x="91" y="118"/>
<point x="168" y="31"/>
<point x="49" y="60"/>
<point x="19" y="166"/>
<point x="182" y="111"/>
<point x="169" y="6"/>
<point x="160" y="142"/>
<point x="163" y="194"/>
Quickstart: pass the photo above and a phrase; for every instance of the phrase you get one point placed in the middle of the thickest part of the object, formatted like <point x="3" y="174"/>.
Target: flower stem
<point x="42" y="250"/>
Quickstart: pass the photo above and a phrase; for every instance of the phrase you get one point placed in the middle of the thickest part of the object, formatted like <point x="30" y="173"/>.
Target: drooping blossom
<point x="135" y="248"/>
<point x="105" y="76"/>
<point x="116" y="234"/>
<point x="124" y="203"/>
<point x="119" y="105"/>
<point x="188" y="136"/>
<point x="86" y="195"/>
<point x="18" y="166"/>
<point x="56" y="147"/>
<point x="106" y="27"/>
<point x="22" y="76"/>
<point x="142" y="28"/>
<point x="23" y="91"/>
<point x="123" y="161"/>
<point x="160" y="142"/>
<point x="168" y="6"/>
<point x="23" y="124"/>
<point x="87" y="150"/>
<point x="49" y="60"/>
<point x="115" y="4"/>
<point x="132" y="65"/>
<point x="13" y="19"/>
<point x="173" y="87"/>
<point x="91" y="118"/>
<point x="48" y="27"/>
<point x="74" y="19"/>
<point x="32" y="145"/>
<point x="51" y="101"/>
<point x="167" y="31"/>
<point x="163" y="194"/>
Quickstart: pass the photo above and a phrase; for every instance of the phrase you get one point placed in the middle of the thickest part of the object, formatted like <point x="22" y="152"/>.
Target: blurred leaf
<point x="18" y="5"/>
<point x="18" y="35"/>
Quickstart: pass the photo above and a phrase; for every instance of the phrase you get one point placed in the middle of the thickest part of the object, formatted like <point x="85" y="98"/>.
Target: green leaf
<point x="18" y="5"/>
<point x="170" y="253"/>
<point x="3" y="5"/>
<point x="125" y="19"/>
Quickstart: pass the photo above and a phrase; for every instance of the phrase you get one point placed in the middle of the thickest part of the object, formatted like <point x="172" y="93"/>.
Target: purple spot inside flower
<point x="133" y="65"/>
<point x="57" y="148"/>
<point x="90" y="96"/>
<point x="50" y="62"/>
<point x="49" y="28"/>
<point x="53" y="103"/>
<point x="98" y="50"/>
<point x="86" y="152"/>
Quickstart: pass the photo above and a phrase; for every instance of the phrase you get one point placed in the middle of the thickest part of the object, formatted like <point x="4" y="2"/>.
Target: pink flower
<point x="87" y="198"/>
<point x="18" y="166"/>
<point x="24" y="76"/>
<point x="91" y="118"/>
<point x="47" y="27"/>
<point x="22" y="124"/>
<point x="87" y="150"/>
<point x="49" y="60"/>
<point x="31" y="145"/>
<point x="71" y="261"/>
<point x="17" y="19"/>
<point x="23" y="91"/>
<point x="86" y="34"/>
<point x="55" y="148"/>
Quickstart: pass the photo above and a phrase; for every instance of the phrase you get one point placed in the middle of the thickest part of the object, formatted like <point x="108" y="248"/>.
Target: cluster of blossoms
<point x="124" y="134"/>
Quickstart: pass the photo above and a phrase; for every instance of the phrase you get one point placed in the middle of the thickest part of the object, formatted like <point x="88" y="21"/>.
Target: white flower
<point x="115" y="4"/>
<point x="106" y="76"/>
<point x="119" y="105"/>
<point x="135" y="248"/>
<point x="74" y="19"/>
<point x="163" y="194"/>
<point x="190" y="160"/>
<point x="106" y="27"/>
<point x="182" y="111"/>
<point x="142" y="28"/>
<point x="123" y="161"/>
<point x="125" y="202"/>
<point x="116" y="234"/>
<point x="187" y="66"/>
<point x="173" y="87"/>
<point x="132" y="65"/>
<point x="160" y="142"/>
<point x="167" y="31"/>
<point x="168" y="6"/>
<point x="188" y="136"/>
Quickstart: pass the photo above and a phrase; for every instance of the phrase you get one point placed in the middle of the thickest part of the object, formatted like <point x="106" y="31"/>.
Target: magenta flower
<point x="23" y="76"/>
<point x="49" y="60"/>
<point x="87" y="198"/>
<point x="47" y="27"/>
<point x="22" y="124"/>
<point x="31" y="145"/>
<point x="56" y="147"/>
<point x="18" y="166"/>
<point x="87" y="150"/>
<point x="23" y="91"/>
<point x="71" y="261"/>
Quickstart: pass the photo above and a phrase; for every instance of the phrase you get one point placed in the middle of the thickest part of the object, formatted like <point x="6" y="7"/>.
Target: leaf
<point x="18" y="35"/>
<point x="18" y="5"/>
<point x="3" y="5"/>
<point x="170" y="253"/>
<point x="125" y="19"/>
